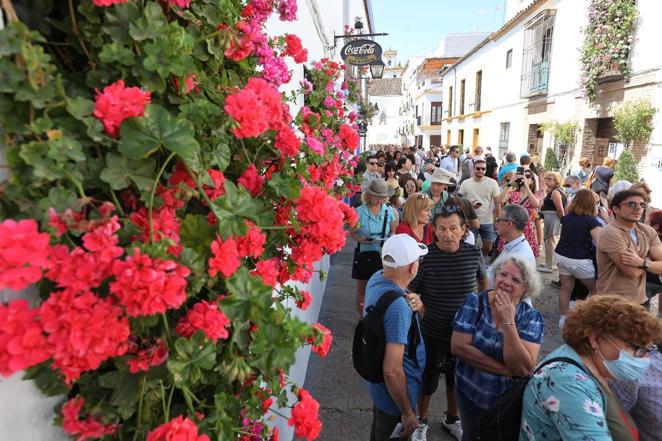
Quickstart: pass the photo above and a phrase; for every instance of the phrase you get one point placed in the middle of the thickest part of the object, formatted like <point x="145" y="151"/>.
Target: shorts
<point x="579" y="268"/>
<point x="437" y="362"/>
<point x="486" y="232"/>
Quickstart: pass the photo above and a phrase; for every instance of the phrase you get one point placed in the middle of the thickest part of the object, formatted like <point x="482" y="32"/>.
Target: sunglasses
<point x="481" y="168"/>
<point x="422" y="195"/>
<point x="633" y="205"/>
<point x="566" y="186"/>
<point x="643" y="351"/>
<point x="372" y="163"/>
<point x="451" y="209"/>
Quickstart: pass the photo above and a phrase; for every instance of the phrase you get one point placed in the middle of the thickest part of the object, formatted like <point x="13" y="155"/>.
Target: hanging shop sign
<point x="361" y="52"/>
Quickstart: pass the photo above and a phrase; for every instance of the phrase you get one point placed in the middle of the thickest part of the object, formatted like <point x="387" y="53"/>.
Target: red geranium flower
<point x="268" y="270"/>
<point x="294" y="49"/>
<point x="205" y="316"/>
<point x="304" y="302"/>
<point x="24" y="253"/>
<point x="146" y="285"/>
<point x="323" y="348"/>
<point x="251" y="244"/>
<point x="117" y="103"/>
<point x="350" y="139"/>
<point x="225" y="257"/>
<point x="251" y="180"/>
<point x="22" y="342"/>
<point x="256" y="108"/>
<point x="287" y="142"/>
<point x="177" y="429"/>
<point x="152" y="356"/>
<point x="83" y="429"/>
<point x="305" y="417"/>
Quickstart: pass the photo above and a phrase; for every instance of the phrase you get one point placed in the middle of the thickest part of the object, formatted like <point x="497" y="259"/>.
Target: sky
<point x="415" y="27"/>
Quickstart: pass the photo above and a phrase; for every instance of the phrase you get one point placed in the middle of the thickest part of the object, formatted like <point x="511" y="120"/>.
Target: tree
<point x="626" y="168"/>
<point x="633" y="121"/>
<point x="551" y="162"/>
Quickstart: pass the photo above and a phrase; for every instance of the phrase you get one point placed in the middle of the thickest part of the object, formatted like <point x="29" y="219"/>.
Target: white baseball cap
<point x="402" y="250"/>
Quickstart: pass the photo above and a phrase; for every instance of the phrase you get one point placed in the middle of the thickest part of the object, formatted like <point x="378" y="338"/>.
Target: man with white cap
<point x="395" y="399"/>
<point x="438" y="191"/>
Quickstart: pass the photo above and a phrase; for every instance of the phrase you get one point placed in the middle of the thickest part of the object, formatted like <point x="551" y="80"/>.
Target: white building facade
<point x="528" y="73"/>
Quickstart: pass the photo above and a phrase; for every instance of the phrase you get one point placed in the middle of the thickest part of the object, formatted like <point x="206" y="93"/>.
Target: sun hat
<point x="378" y="188"/>
<point x="441" y="176"/>
<point x="402" y="250"/>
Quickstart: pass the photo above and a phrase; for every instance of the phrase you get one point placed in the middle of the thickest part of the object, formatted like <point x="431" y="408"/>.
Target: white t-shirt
<point x="483" y="191"/>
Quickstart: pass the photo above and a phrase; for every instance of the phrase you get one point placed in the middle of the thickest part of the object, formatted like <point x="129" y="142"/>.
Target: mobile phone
<point x="520" y="170"/>
<point x="397" y="431"/>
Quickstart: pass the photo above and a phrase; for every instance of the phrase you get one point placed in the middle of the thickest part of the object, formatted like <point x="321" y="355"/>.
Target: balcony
<point x="535" y="81"/>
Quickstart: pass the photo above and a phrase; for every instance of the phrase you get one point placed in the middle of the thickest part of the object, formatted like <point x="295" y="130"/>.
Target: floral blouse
<point x="562" y="403"/>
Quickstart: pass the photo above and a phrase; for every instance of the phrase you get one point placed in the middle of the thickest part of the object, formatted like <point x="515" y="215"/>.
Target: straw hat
<point x="442" y="176"/>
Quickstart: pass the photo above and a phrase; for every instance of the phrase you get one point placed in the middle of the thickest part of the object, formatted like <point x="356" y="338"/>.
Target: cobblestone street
<point x="346" y="409"/>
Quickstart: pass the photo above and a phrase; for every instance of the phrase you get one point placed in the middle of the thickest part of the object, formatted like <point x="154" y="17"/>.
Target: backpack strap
<point x="413" y="335"/>
<point x="383" y="237"/>
<point x="564" y="360"/>
<point x="385" y="301"/>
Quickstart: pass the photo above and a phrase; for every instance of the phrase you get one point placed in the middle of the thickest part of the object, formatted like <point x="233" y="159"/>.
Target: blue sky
<point x="416" y="26"/>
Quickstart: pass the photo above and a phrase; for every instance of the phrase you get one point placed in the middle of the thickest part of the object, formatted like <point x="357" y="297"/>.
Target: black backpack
<point x="370" y="341"/>
<point x="502" y="421"/>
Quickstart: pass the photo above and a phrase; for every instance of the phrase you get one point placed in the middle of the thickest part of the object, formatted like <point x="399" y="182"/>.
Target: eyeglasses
<point x="422" y="195"/>
<point x="503" y="219"/>
<point x="480" y="168"/>
<point x="643" y="351"/>
<point x="633" y="205"/>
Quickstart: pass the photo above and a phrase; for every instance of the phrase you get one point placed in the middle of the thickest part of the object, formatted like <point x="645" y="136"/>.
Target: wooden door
<point x="476" y="137"/>
<point x="600" y="151"/>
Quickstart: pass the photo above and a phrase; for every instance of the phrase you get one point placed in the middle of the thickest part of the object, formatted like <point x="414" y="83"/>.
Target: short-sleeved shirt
<point x="576" y="241"/>
<point x="371" y="225"/>
<point x="436" y="208"/>
<point x="444" y="281"/>
<point x="397" y="320"/>
<point x="452" y="165"/>
<point x="615" y="240"/>
<point x="483" y="191"/>
<point x="481" y="387"/>
<point x="561" y="402"/>
<point x="643" y="399"/>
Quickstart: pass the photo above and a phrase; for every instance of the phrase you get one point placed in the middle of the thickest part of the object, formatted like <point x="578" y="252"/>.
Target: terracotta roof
<point x="434" y="64"/>
<point x="385" y="87"/>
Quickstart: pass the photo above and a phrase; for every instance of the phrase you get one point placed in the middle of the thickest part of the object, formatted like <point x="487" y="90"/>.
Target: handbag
<point x="367" y="263"/>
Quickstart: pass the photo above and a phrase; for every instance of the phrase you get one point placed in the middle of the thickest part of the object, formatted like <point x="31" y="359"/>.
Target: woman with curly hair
<point x="570" y="396"/>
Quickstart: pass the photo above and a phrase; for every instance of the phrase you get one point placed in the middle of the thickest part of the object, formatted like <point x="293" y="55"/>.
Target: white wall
<point x="379" y="133"/>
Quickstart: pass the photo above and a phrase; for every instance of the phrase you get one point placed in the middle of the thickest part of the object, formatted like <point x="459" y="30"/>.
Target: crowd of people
<point x="459" y="234"/>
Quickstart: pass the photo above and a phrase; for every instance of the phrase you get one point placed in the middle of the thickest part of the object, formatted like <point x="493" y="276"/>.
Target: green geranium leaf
<point x="193" y="355"/>
<point x="196" y="233"/>
<point x="120" y="172"/>
<point x="222" y="155"/>
<point x="10" y="75"/>
<point x="119" y="19"/>
<point x="235" y="205"/>
<point x="59" y="199"/>
<point x="142" y="136"/>
<point x="117" y="52"/>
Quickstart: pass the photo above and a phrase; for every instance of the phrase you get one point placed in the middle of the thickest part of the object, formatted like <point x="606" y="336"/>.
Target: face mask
<point x="627" y="366"/>
<point x="570" y="191"/>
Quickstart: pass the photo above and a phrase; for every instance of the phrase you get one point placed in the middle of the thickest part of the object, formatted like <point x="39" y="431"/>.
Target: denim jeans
<point x="469" y="415"/>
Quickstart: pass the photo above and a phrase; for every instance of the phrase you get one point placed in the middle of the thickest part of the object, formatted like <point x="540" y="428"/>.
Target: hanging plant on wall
<point x="607" y="42"/>
<point x="160" y="198"/>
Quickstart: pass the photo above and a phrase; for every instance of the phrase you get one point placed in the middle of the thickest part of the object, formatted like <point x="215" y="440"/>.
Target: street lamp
<point x="377" y="69"/>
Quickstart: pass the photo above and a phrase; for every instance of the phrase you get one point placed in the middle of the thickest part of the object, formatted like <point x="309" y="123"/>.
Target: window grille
<point x="479" y="86"/>
<point x="537" y="55"/>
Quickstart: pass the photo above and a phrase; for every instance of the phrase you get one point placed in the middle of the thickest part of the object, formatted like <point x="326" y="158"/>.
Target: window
<point x="448" y="137"/>
<point x="479" y="86"/>
<point x="418" y="118"/>
<point x="450" y="101"/>
<point x="462" y="84"/>
<point x="460" y="137"/>
<point x="504" y="134"/>
<point x="537" y="55"/>
<point x="435" y="113"/>
<point x="509" y="59"/>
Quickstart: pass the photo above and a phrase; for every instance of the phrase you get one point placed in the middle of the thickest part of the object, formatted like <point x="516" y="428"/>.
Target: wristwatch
<point x="644" y="265"/>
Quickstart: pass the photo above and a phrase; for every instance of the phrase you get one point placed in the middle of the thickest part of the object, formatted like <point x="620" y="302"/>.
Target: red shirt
<point x="428" y="234"/>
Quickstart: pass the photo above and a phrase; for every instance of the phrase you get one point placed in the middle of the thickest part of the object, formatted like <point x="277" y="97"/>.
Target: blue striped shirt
<point x="481" y="387"/>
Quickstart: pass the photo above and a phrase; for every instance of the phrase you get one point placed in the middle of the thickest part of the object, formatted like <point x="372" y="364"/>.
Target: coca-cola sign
<point x="361" y="52"/>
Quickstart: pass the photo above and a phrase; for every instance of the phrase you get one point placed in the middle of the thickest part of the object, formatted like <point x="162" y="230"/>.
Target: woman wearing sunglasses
<point x="606" y="338"/>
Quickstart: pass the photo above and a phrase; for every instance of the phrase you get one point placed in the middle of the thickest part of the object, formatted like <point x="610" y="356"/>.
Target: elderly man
<point x="438" y="191"/>
<point x="451" y="271"/>
<point x="511" y="226"/>
<point x="395" y="399"/>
